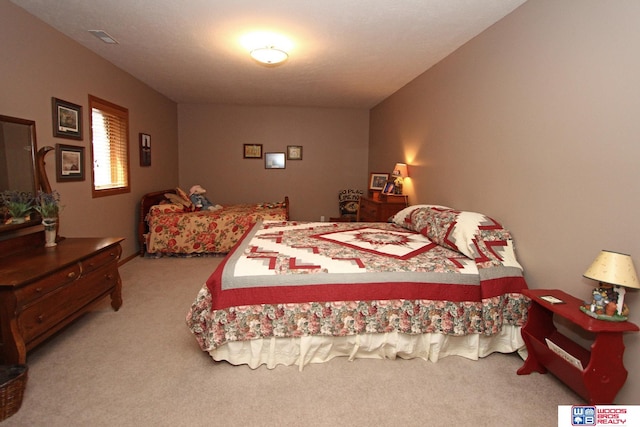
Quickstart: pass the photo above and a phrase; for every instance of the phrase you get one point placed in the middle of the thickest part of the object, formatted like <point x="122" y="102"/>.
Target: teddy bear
<point x="200" y="201"/>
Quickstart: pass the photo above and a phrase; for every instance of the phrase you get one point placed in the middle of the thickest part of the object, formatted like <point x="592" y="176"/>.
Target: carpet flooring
<point x="141" y="366"/>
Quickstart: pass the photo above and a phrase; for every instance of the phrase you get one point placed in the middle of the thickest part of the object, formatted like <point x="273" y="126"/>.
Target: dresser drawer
<point x="380" y="210"/>
<point x="44" y="289"/>
<point x="368" y="211"/>
<point x="65" y="301"/>
<point x="54" y="281"/>
<point x="101" y="258"/>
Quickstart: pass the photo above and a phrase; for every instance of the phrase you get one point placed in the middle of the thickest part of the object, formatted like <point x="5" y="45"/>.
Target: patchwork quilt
<point x="433" y="269"/>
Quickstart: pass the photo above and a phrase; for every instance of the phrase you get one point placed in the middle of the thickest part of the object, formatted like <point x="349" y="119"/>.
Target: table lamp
<point x="399" y="174"/>
<point x="615" y="272"/>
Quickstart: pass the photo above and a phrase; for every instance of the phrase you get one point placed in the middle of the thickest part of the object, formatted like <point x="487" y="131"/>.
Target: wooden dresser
<point x="372" y="210"/>
<point x="44" y="289"/>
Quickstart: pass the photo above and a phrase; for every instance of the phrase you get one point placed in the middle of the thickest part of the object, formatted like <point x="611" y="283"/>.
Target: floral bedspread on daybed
<point x="174" y="231"/>
<point x="434" y="270"/>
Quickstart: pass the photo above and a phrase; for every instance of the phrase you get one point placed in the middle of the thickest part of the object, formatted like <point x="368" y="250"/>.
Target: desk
<point x="602" y="374"/>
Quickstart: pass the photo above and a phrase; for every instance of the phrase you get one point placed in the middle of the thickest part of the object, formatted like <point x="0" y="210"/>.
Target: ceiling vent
<point x="102" y="35"/>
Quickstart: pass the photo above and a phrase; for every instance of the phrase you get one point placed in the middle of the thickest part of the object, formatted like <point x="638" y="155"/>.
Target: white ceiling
<point x="346" y="53"/>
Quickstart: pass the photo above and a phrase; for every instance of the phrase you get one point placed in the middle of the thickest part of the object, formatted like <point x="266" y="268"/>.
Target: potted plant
<point x="18" y="204"/>
<point x="48" y="206"/>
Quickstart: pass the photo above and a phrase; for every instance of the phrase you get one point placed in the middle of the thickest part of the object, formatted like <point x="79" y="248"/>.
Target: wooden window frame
<point x="123" y="113"/>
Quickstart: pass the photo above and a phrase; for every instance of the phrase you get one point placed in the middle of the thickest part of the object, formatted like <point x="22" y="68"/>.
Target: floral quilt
<point x="174" y="231"/>
<point x="291" y="279"/>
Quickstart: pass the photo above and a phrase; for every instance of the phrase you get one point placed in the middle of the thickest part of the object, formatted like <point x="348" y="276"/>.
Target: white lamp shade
<point x="613" y="268"/>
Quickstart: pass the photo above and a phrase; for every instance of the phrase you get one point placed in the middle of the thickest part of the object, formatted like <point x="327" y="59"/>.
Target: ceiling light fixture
<point x="269" y="55"/>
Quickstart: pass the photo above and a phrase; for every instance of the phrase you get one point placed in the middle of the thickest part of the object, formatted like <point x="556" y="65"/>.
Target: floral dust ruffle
<point x="213" y="328"/>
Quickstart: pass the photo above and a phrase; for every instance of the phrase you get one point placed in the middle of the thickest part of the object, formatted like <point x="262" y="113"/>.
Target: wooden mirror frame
<point x="40" y="179"/>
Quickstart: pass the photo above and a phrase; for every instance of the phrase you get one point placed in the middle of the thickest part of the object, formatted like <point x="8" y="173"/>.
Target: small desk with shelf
<point x="602" y="374"/>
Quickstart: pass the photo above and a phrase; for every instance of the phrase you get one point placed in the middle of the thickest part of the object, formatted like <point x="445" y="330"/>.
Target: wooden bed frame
<point x="151" y="199"/>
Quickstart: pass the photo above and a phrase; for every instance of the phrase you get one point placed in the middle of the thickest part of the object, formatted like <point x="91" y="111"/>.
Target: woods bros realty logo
<point x="592" y="415"/>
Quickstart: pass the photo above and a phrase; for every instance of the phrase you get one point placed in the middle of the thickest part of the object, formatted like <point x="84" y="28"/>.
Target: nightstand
<point x="595" y="375"/>
<point x="372" y="210"/>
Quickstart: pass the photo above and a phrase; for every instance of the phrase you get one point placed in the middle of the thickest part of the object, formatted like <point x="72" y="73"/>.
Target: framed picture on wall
<point x="294" y="152"/>
<point x="274" y="161"/>
<point x="69" y="163"/>
<point x="67" y="119"/>
<point x="252" y="151"/>
<point x="377" y="181"/>
<point x="145" y="149"/>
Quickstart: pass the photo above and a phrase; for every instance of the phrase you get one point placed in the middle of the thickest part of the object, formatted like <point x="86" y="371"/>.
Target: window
<point x="109" y="147"/>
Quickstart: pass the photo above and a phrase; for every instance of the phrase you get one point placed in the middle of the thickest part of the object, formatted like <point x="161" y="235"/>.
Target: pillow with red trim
<point x="472" y="234"/>
<point x="413" y="217"/>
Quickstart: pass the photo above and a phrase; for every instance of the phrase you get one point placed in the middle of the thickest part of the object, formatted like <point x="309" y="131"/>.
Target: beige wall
<point x="535" y="122"/>
<point x="39" y="63"/>
<point x="334" y="155"/>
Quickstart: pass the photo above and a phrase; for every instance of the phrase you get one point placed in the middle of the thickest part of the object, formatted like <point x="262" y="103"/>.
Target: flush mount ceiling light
<point x="269" y="55"/>
<point x="266" y="47"/>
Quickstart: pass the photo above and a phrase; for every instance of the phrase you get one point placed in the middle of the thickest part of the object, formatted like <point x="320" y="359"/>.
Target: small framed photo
<point x="69" y="163"/>
<point x="294" y="152"/>
<point x="377" y="181"/>
<point x="145" y="149"/>
<point x="252" y="151"/>
<point x="274" y="161"/>
<point x="67" y="119"/>
<point x="389" y="188"/>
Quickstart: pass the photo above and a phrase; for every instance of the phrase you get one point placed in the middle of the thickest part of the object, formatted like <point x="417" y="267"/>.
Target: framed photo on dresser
<point x="389" y="188"/>
<point x="377" y="181"/>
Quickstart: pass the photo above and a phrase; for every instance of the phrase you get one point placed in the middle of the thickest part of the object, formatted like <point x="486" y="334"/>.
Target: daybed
<point x="173" y="227"/>
<point x="433" y="282"/>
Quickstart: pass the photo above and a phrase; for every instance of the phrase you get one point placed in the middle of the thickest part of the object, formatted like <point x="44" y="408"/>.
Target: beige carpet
<point x="140" y="366"/>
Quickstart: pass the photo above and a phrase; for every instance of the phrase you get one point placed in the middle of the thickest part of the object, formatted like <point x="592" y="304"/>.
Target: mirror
<point x="18" y="161"/>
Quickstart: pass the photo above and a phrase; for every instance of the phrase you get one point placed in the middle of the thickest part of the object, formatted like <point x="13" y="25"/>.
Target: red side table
<point x="602" y="374"/>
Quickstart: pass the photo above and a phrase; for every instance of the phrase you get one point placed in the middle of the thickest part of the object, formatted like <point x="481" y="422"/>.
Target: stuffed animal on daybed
<point x="200" y="201"/>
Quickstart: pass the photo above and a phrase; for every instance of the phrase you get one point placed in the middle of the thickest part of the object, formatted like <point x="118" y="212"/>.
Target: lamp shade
<point x="400" y="169"/>
<point x="613" y="268"/>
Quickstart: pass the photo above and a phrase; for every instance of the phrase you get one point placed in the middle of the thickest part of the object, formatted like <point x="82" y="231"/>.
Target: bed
<point x="169" y="225"/>
<point x="431" y="283"/>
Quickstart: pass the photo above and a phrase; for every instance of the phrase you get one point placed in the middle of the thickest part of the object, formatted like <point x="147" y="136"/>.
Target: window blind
<point x="110" y="147"/>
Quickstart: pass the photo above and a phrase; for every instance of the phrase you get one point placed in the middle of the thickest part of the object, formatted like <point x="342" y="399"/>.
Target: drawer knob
<point x="38" y="290"/>
<point x="108" y="276"/>
<point x="40" y="318"/>
<point x="71" y="275"/>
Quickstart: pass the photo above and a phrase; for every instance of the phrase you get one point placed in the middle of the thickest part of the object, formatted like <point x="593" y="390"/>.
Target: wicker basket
<point x="13" y="380"/>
